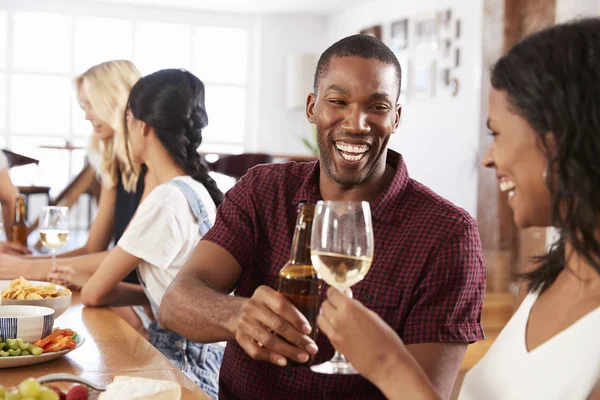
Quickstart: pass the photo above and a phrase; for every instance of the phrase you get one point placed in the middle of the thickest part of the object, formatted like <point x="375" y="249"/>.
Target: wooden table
<point x="112" y="347"/>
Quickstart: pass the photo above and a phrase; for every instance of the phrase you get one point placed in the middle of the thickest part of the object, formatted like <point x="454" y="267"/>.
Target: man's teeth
<point x="348" y="148"/>
<point x="352" y="158"/>
<point x="511" y="194"/>
<point x="506" y="186"/>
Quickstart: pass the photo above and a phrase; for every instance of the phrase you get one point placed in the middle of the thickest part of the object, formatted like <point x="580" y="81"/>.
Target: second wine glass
<point x="341" y="251"/>
<point x="54" y="229"/>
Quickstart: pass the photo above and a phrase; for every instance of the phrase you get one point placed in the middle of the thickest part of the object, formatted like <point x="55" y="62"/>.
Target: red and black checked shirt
<point x="427" y="279"/>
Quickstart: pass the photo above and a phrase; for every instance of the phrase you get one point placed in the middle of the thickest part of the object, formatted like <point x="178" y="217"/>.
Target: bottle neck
<point x="20" y="212"/>
<point x="300" y="254"/>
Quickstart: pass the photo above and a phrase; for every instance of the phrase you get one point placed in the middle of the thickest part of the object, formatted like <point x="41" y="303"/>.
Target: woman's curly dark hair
<point x="552" y="79"/>
<point x="172" y="102"/>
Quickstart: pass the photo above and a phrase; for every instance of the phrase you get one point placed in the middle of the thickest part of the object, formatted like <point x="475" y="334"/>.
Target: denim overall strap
<point x="195" y="203"/>
<point x="200" y="362"/>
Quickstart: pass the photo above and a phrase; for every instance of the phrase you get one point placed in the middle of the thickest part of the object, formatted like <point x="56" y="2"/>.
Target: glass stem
<point x="53" y="252"/>
<point x="338" y="358"/>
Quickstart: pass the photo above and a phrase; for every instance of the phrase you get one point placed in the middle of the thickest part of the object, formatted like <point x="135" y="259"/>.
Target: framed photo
<point x="423" y="79"/>
<point x="404" y="84"/>
<point x="446" y="76"/>
<point x="447" y="47"/>
<point x="445" y="18"/>
<point x="427" y="32"/>
<point x="374" y="31"/>
<point x="399" y="40"/>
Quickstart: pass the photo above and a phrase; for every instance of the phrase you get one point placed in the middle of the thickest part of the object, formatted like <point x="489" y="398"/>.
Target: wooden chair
<point x="17" y="160"/>
<point x="236" y="165"/>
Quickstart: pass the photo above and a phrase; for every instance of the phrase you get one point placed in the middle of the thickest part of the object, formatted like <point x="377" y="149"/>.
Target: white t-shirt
<point x="3" y="161"/>
<point x="567" y="366"/>
<point x="163" y="233"/>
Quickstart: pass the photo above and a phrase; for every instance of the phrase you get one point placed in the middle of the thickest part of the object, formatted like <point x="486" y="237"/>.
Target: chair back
<point x="236" y="165"/>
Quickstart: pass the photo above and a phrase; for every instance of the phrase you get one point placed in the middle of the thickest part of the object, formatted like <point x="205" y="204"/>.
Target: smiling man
<point x="427" y="279"/>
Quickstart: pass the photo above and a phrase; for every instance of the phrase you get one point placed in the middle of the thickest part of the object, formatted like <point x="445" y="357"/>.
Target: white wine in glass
<point x="341" y="251"/>
<point x="54" y="229"/>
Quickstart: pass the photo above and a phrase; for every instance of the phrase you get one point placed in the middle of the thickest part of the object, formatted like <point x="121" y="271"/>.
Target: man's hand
<point x="16" y="249"/>
<point x="270" y="328"/>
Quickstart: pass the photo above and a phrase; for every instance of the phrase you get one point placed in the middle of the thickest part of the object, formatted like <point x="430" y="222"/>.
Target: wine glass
<point x="54" y="229"/>
<point x="341" y="251"/>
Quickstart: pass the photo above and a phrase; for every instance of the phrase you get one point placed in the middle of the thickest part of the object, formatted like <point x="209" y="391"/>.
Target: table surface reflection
<point x="112" y="347"/>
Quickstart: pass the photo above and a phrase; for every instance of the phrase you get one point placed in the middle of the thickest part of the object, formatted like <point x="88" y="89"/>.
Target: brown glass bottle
<point x="19" y="226"/>
<point x="298" y="280"/>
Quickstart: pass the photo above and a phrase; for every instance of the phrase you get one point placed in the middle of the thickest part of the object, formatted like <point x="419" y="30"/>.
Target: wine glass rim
<point x="326" y="202"/>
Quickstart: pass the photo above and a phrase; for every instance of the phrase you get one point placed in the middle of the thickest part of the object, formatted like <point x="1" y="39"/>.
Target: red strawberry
<point x="77" y="392"/>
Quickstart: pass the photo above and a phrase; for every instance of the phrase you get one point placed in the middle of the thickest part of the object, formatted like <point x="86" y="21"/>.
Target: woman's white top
<point x="567" y="366"/>
<point x="163" y="233"/>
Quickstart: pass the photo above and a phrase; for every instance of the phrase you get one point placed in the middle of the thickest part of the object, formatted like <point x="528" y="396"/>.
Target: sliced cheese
<point x="134" y="388"/>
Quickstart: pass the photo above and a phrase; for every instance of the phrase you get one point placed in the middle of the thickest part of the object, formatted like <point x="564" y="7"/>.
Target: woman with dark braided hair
<point x="544" y="118"/>
<point x="164" y="119"/>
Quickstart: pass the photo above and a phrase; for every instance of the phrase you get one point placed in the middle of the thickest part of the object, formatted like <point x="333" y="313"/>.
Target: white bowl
<point x="58" y="304"/>
<point x="30" y="323"/>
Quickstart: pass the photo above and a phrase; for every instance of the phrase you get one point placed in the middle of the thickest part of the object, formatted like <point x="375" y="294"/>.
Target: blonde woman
<point x="102" y="92"/>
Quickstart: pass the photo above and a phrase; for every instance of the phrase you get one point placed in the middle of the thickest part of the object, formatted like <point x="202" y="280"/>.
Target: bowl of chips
<point x="35" y="293"/>
<point x="30" y="323"/>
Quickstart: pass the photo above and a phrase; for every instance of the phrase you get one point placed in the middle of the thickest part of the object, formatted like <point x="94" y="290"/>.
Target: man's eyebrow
<point x="381" y="95"/>
<point x="337" y="88"/>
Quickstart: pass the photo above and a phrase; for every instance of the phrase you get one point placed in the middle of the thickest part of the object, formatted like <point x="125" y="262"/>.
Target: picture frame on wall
<point x="423" y="79"/>
<point x="446" y="18"/>
<point x="405" y="81"/>
<point x="374" y="31"/>
<point x="427" y="32"/>
<point x="399" y="39"/>
<point x="446" y="76"/>
<point x="447" y="47"/>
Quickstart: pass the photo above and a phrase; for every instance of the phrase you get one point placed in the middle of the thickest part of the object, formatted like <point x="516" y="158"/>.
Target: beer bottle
<point x="299" y="282"/>
<point x="19" y="226"/>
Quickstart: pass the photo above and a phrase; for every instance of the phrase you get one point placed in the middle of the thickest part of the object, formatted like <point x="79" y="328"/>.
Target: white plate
<point x="21" y="361"/>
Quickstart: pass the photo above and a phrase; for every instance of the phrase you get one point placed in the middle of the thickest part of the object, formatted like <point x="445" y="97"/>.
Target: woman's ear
<point x="146" y="129"/>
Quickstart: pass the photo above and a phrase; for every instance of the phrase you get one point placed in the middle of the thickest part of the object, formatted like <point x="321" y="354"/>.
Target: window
<point x="42" y="42"/>
<point x="95" y="44"/>
<point x="160" y="45"/>
<point x="40" y="104"/>
<point x="3" y="39"/>
<point x="41" y="53"/>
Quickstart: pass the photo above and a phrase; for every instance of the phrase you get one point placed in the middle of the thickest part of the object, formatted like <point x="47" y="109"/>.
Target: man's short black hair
<point x="364" y="46"/>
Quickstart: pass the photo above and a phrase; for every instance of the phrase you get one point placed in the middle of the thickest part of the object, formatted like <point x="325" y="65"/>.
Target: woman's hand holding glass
<point x="341" y="251"/>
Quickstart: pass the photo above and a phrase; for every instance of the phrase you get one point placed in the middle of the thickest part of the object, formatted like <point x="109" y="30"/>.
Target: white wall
<point x="278" y="130"/>
<point x="439" y="138"/>
<point x="568" y="9"/>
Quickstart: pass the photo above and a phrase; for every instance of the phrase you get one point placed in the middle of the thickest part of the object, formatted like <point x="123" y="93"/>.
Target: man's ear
<point x="398" y="116"/>
<point x="310" y="107"/>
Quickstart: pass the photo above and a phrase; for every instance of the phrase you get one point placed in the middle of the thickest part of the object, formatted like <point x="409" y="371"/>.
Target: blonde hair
<point x="107" y="87"/>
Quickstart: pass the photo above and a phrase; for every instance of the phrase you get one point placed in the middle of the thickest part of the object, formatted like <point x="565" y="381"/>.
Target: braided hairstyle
<point x="172" y="102"/>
